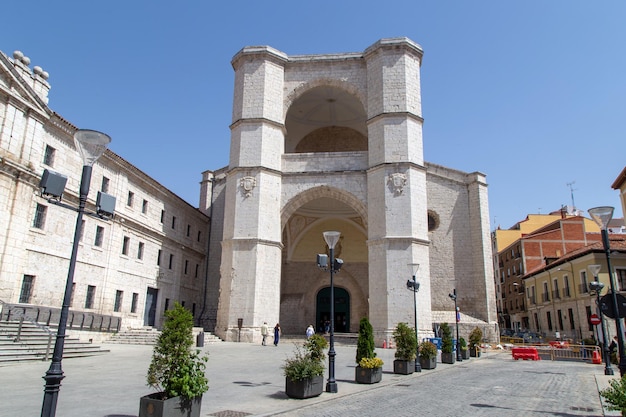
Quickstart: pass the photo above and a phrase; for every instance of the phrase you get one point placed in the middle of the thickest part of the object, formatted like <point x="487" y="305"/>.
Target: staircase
<point x="149" y="336"/>
<point x="27" y="341"/>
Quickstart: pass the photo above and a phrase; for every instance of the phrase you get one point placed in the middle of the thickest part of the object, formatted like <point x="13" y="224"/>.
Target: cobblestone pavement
<point x="493" y="386"/>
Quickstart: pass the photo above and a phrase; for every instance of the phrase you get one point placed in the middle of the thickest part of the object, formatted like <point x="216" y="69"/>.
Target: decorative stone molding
<point x="397" y="181"/>
<point x="247" y="184"/>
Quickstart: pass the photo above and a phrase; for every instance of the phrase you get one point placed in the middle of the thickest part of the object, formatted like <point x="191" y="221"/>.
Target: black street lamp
<point x="459" y="358"/>
<point x="91" y="145"/>
<point x="331" y="239"/>
<point x="602" y="216"/>
<point x="597" y="287"/>
<point x="415" y="287"/>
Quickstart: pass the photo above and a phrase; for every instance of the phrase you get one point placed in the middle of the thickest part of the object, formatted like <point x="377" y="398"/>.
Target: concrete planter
<point x="403" y="367"/>
<point x="448" y="358"/>
<point x="368" y="375"/>
<point x="428" y="363"/>
<point x="152" y="406"/>
<point x="306" y="388"/>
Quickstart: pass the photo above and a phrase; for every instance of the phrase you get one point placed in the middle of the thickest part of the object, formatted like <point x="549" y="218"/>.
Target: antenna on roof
<point x="572" y="189"/>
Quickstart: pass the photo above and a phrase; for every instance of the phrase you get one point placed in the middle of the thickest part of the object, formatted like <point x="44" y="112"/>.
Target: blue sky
<point x="531" y="93"/>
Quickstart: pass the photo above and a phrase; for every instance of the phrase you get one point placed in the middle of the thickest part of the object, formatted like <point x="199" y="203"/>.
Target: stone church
<point x="334" y="142"/>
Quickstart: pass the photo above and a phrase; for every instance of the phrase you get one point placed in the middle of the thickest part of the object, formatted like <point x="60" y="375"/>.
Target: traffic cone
<point x="384" y="343"/>
<point x="595" y="358"/>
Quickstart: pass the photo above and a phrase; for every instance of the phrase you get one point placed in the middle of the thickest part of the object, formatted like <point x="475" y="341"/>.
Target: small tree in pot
<point x="369" y="368"/>
<point x="475" y="337"/>
<point x="447" y="346"/>
<point x="176" y="370"/>
<point x="428" y="355"/>
<point x="406" y="349"/>
<point x="304" y="373"/>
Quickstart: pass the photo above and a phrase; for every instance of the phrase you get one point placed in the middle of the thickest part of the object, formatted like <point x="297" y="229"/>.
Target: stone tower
<point x="334" y="142"/>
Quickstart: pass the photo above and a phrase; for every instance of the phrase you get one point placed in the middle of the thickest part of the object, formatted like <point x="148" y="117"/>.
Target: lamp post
<point x="331" y="239"/>
<point x="91" y="145"/>
<point x="602" y="216"/>
<point x="459" y="358"/>
<point x="415" y="287"/>
<point x="597" y="286"/>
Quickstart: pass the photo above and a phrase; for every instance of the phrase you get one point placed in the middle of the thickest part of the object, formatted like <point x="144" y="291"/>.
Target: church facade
<point x="334" y="142"/>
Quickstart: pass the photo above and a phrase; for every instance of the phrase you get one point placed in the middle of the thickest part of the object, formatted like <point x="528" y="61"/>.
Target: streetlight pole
<point x="415" y="286"/>
<point x="331" y="239"/>
<point x="91" y="145"/>
<point x="602" y="216"/>
<point x="597" y="286"/>
<point x="453" y="296"/>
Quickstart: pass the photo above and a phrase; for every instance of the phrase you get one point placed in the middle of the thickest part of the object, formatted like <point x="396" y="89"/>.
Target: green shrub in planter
<point x="615" y="395"/>
<point x="365" y="343"/>
<point x="406" y="342"/>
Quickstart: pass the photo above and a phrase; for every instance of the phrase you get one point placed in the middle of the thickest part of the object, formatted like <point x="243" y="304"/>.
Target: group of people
<point x="265" y="333"/>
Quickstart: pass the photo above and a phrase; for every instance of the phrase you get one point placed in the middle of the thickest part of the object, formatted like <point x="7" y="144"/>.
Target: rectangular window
<point x="91" y="295"/>
<point x="99" y="236"/>
<point x="556" y="294"/>
<point x="133" y="304"/>
<point x="566" y="286"/>
<point x="588" y="311"/>
<point x="171" y="261"/>
<point x="144" y="206"/>
<point x="583" y="282"/>
<point x="621" y="279"/>
<point x="572" y="324"/>
<point x="125" y="245"/>
<point x="48" y="156"/>
<point x="159" y="257"/>
<point x="199" y="235"/>
<point x="82" y="230"/>
<point x="549" y="317"/>
<point x="173" y="222"/>
<point x="118" y="300"/>
<point x="27" y="288"/>
<point x="197" y="269"/>
<point x="105" y="185"/>
<point x="186" y="266"/>
<point x="167" y="304"/>
<point x="162" y="216"/>
<point x="40" y="216"/>
<point x="140" y="250"/>
<point x="188" y="230"/>
<point x="193" y="309"/>
<point x="72" y="294"/>
<point x="131" y="197"/>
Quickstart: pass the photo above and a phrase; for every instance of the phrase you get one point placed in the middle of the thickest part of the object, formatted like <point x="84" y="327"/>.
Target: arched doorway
<point x="342" y="310"/>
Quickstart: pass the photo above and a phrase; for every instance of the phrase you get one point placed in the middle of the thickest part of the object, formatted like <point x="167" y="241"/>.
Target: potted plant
<point x="304" y="371"/>
<point x="406" y="349"/>
<point x="465" y="354"/>
<point x="428" y="355"/>
<point x="369" y="369"/>
<point x="176" y="371"/>
<point x="615" y="395"/>
<point x="475" y="338"/>
<point x="447" y="345"/>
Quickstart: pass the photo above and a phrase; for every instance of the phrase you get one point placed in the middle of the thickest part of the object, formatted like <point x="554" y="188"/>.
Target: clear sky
<point x="531" y="93"/>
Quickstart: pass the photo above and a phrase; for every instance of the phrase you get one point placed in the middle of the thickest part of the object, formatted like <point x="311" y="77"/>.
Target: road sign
<point x="606" y="305"/>
<point x="594" y="319"/>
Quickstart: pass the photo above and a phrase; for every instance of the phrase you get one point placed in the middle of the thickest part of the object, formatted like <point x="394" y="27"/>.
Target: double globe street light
<point x="457" y="318"/>
<point x="596" y="286"/>
<point x="91" y="145"/>
<point x="602" y="216"/>
<point x="415" y="287"/>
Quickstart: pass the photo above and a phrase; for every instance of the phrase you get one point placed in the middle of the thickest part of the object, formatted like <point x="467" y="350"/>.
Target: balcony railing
<point x="583" y="288"/>
<point x="556" y="295"/>
<point x="545" y="297"/>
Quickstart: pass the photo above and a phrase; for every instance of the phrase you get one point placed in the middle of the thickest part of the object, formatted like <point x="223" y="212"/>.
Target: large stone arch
<point x="319" y="192"/>
<point x="302" y="89"/>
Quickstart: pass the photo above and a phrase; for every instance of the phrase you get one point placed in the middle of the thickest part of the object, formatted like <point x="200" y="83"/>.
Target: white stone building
<point x="334" y="142"/>
<point x="134" y="267"/>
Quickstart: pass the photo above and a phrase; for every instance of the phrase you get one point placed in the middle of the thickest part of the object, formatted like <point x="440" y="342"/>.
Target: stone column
<point x="251" y="247"/>
<point x="397" y="204"/>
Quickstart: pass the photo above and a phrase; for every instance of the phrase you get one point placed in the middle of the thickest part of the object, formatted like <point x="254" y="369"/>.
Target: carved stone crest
<point x="397" y="181"/>
<point x="247" y="184"/>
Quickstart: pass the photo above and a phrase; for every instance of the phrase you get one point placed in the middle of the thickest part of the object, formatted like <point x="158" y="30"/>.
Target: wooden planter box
<point x="403" y="367"/>
<point x="368" y="375"/>
<point x="428" y="363"/>
<point x="448" y="358"/>
<point x="307" y="388"/>
<point x="152" y="406"/>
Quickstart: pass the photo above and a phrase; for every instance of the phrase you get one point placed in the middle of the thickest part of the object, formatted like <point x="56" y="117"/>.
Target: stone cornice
<point x="257" y="120"/>
<point x="410" y="115"/>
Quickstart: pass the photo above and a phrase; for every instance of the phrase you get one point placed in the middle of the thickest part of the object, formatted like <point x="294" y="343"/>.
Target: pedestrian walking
<point x="264" y="333"/>
<point x="276" y="334"/>
<point x="310" y="331"/>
